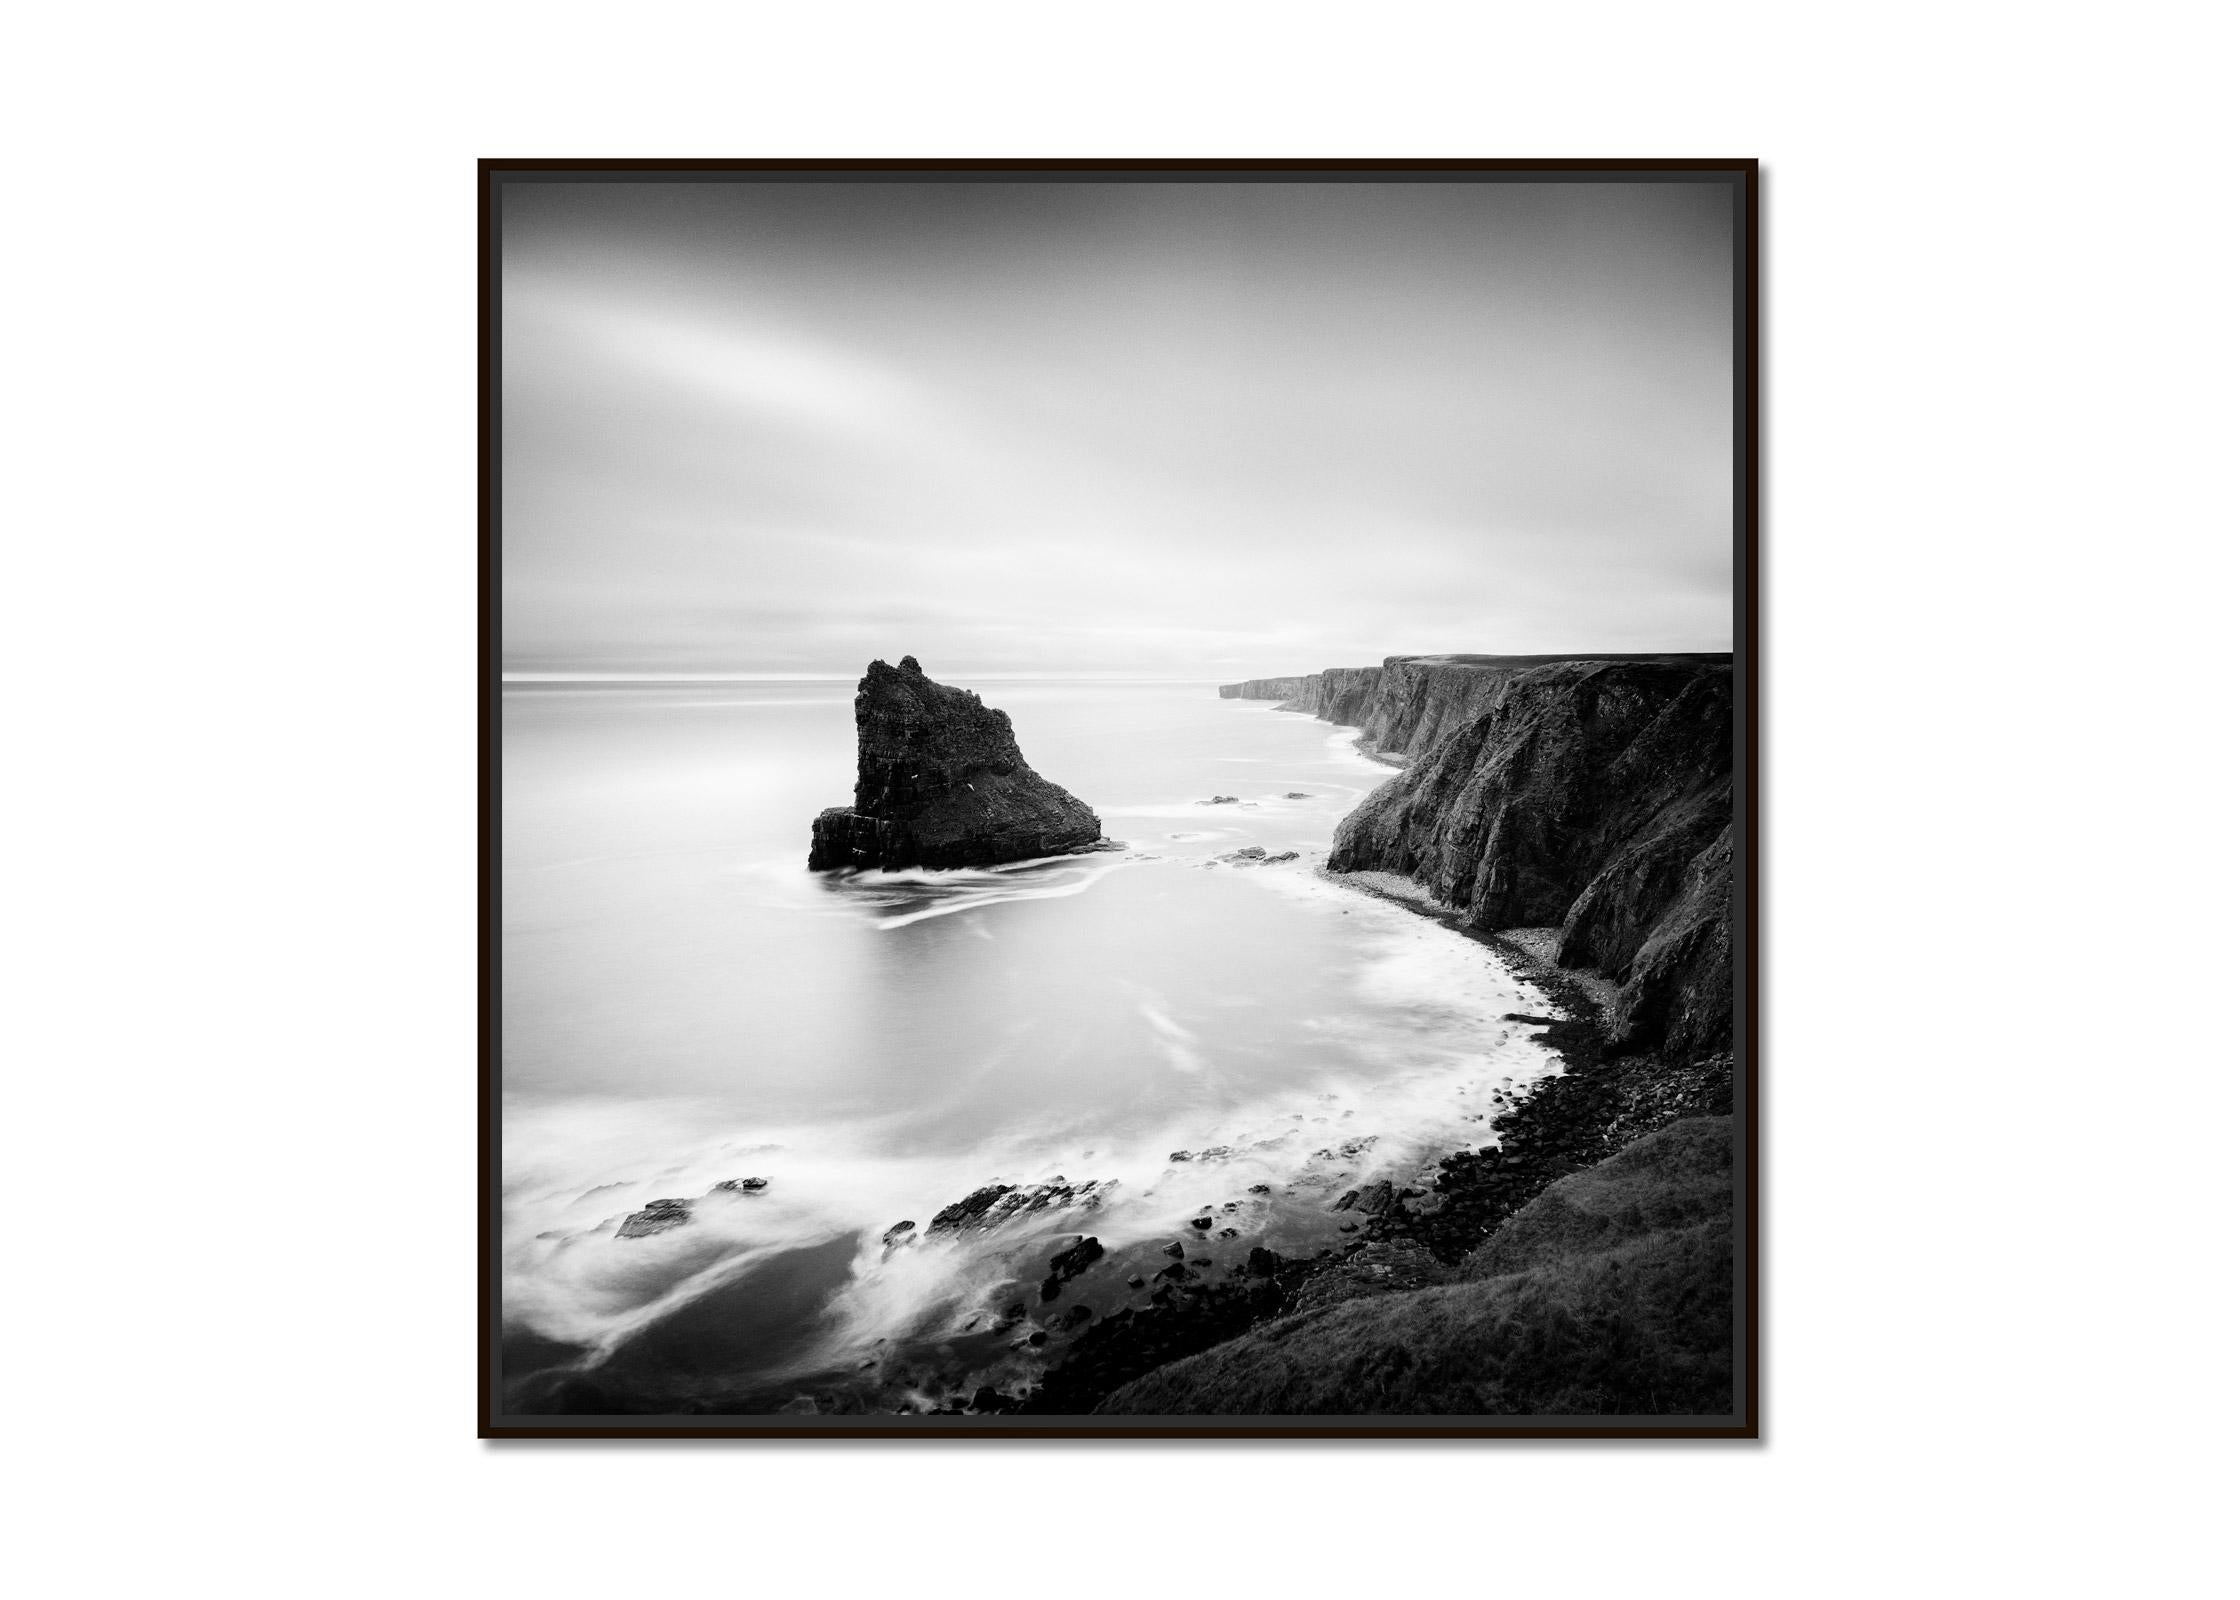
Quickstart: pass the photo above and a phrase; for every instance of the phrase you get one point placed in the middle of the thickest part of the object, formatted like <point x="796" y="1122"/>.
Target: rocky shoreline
<point x="1409" y="1239"/>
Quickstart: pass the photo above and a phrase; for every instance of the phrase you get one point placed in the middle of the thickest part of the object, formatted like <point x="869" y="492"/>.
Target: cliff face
<point x="1418" y="700"/>
<point x="940" y="782"/>
<point x="1341" y="694"/>
<point x="1266" y="689"/>
<point x="1592" y="795"/>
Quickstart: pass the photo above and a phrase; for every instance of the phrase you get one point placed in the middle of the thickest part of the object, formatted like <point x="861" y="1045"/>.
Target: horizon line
<point x="832" y="677"/>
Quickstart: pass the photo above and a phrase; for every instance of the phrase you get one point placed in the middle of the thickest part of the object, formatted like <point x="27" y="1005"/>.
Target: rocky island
<point x="940" y="782"/>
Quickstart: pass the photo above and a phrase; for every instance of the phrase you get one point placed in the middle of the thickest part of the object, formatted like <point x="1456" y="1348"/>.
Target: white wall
<point x="239" y="639"/>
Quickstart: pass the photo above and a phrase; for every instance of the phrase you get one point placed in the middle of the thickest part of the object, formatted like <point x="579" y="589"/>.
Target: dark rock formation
<point x="1376" y="1199"/>
<point x="741" y="1186"/>
<point x="999" y="1203"/>
<point x="1068" y="1264"/>
<point x="659" y="1216"/>
<point x="940" y="782"/>
<point x="972" y="1209"/>
<point x="898" y="1233"/>
<point x="1594" y="796"/>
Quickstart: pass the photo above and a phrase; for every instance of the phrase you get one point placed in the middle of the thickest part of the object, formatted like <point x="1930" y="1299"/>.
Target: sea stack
<point x="940" y="782"/>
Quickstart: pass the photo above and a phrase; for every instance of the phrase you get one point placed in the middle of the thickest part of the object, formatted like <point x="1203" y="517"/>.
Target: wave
<point x="896" y="899"/>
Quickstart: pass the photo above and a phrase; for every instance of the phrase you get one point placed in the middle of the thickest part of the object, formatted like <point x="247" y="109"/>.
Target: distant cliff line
<point x="1592" y="795"/>
<point x="1409" y="703"/>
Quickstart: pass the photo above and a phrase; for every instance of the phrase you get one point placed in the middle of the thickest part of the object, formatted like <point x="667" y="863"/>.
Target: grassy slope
<point x="1610" y="1294"/>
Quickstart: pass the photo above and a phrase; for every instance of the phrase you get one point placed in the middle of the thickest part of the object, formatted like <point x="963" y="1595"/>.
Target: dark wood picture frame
<point x="1744" y="1423"/>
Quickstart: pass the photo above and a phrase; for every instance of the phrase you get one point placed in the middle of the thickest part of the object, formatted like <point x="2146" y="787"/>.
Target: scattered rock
<point x="1297" y="794"/>
<point x="895" y="1235"/>
<point x="1370" y="1201"/>
<point x="1220" y="800"/>
<point x="1226" y="1233"/>
<point x="1069" y="1264"/>
<point x="659" y="1216"/>
<point x="1174" y="1249"/>
<point x="1075" y="1316"/>
<point x="741" y="1186"/>
<point x="1201" y="1223"/>
<point x="1261" y="1262"/>
<point x="1136" y="1282"/>
<point x="1001" y="1202"/>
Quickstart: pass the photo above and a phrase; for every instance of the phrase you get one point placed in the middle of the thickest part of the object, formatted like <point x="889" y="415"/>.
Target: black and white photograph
<point x="1121" y="798"/>
<point x="1259" y="799"/>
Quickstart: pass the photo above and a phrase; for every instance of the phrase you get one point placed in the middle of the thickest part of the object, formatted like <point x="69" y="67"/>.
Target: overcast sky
<point x="1189" y="430"/>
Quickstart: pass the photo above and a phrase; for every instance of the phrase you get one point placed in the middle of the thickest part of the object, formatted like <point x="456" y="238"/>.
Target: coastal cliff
<point x="1266" y="689"/>
<point x="940" y="782"/>
<point x="1589" y="794"/>
<point x="1595" y="797"/>
<point x="1407" y="704"/>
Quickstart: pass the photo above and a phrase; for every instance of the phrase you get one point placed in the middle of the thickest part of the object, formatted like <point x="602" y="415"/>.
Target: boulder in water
<point x="659" y="1216"/>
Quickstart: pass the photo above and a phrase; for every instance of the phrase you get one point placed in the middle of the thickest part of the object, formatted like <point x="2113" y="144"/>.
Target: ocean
<point x="1149" y="1036"/>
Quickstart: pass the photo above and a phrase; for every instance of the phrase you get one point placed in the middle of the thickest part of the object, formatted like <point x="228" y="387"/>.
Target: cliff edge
<point x="940" y="782"/>
<point x="1596" y="797"/>
<point x="1407" y="704"/>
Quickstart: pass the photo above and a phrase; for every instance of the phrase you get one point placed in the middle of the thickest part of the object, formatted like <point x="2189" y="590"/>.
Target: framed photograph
<point x="1119" y="798"/>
